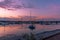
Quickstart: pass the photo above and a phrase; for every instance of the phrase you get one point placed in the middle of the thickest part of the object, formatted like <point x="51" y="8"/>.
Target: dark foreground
<point x="48" y="35"/>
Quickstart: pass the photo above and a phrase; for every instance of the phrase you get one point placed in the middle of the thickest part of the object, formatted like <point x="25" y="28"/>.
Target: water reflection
<point x="19" y="29"/>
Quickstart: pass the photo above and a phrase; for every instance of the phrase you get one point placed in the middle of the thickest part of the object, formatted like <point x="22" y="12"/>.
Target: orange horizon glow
<point x="18" y="14"/>
<point x="9" y="13"/>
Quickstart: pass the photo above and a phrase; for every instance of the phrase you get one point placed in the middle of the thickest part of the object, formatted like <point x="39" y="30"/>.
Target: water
<point x="21" y="29"/>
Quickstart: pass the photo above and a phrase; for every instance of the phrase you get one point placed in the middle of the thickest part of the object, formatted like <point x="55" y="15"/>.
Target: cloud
<point x="15" y="4"/>
<point x="21" y="4"/>
<point x="5" y="4"/>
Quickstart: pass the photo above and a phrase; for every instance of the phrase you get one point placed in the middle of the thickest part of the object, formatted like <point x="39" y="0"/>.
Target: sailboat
<point x="31" y="26"/>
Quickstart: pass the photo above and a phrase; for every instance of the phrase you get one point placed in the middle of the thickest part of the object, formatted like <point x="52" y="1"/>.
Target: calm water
<point x="20" y="29"/>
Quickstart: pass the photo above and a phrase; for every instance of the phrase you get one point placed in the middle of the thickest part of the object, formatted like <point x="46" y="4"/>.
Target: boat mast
<point x="30" y="16"/>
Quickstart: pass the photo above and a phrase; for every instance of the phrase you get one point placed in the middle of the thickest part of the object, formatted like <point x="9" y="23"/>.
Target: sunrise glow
<point x="15" y="8"/>
<point x="29" y="19"/>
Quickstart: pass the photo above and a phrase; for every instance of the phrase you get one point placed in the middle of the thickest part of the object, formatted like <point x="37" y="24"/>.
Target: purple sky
<point x="41" y="8"/>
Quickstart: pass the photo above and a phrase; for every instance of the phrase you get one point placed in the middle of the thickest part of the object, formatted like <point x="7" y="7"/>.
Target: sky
<point x="40" y="8"/>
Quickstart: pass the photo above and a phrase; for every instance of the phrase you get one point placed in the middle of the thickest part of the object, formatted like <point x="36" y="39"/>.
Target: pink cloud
<point x="15" y="4"/>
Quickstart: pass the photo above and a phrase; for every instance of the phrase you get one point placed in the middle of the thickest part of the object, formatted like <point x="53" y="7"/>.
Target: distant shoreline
<point x="30" y="22"/>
